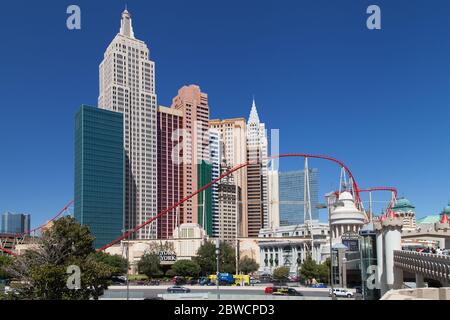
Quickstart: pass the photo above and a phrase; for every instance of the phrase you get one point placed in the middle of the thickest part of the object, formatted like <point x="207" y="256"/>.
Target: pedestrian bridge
<point x="423" y="265"/>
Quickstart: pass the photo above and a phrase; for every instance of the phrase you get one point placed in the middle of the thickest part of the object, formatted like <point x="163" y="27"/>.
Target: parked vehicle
<point x="178" y="289"/>
<point x="193" y="282"/>
<point x="203" y="281"/>
<point x="118" y="280"/>
<point x="154" y="282"/>
<point x="178" y="280"/>
<point x="224" y="278"/>
<point x="265" y="278"/>
<point x="255" y="281"/>
<point x="318" y="285"/>
<point x="341" y="292"/>
<point x="242" y="280"/>
<point x="293" y="278"/>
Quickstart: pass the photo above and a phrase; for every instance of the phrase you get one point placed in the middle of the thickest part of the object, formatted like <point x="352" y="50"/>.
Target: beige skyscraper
<point x="258" y="208"/>
<point x="127" y="85"/>
<point x="233" y="141"/>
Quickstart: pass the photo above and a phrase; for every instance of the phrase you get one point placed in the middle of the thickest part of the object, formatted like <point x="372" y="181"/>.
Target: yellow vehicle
<point x="241" y="280"/>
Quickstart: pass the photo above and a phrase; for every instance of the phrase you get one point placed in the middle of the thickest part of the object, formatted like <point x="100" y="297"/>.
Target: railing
<point x="430" y="265"/>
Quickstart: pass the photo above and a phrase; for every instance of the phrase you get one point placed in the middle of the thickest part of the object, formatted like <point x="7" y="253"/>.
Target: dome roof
<point x="447" y="209"/>
<point x="346" y="212"/>
<point x="429" y="219"/>
<point x="346" y="196"/>
<point x="403" y="204"/>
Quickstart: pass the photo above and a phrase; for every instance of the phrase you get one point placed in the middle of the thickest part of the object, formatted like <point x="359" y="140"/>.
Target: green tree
<point x="323" y="271"/>
<point x="248" y="265"/>
<point x="170" y="273"/>
<point x="186" y="268"/>
<point x="308" y="269"/>
<point x="116" y="262"/>
<point x="206" y="258"/>
<point x="150" y="265"/>
<point x="5" y="262"/>
<point x="42" y="271"/>
<point x="281" y="274"/>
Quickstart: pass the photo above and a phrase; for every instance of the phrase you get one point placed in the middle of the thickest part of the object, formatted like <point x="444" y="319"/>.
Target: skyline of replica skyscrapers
<point x="127" y="85"/>
<point x="171" y="152"/>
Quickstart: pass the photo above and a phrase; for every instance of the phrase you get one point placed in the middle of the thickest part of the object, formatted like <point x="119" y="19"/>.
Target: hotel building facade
<point x="99" y="173"/>
<point x="257" y="171"/>
<point x="195" y="152"/>
<point x="233" y="146"/>
<point x="170" y="172"/>
<point x="127" y="86"/>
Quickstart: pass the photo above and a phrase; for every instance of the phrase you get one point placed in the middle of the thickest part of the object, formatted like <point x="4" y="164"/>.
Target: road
<point x="253" y="292"/>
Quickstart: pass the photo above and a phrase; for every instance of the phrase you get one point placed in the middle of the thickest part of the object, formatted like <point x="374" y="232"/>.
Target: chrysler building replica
<point x="127" y="85"/>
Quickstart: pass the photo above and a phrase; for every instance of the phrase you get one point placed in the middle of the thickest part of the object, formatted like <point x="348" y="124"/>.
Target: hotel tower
<point x="127" y="85"/>
<point x="257" y="178"/>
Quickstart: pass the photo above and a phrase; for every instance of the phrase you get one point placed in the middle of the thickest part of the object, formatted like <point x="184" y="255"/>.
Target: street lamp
<point x="330" y="236"/>
<point x="217" y="262"/>
<point x="344" y="272"/>
<point x="127" y="239"/>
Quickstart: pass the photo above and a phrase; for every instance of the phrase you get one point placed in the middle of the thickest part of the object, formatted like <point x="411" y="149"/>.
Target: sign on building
<point x="350" y="239"/>
<point x="167" y="257"/>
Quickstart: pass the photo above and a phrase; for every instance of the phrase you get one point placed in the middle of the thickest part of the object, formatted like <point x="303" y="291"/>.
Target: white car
<point x="341" y="292"/>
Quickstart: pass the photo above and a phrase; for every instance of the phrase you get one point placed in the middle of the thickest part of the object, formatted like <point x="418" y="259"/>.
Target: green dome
<point x="403" y="204"/>
<point x="429" y="219"/>
<point x="447" y="209"/>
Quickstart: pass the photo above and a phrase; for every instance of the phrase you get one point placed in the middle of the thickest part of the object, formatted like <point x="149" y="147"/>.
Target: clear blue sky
<point x="378" y="100"/>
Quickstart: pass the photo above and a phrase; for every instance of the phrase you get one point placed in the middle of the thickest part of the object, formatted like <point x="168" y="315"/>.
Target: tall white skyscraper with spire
<point x="127" y="85"/>
<point x="257" y="180"/>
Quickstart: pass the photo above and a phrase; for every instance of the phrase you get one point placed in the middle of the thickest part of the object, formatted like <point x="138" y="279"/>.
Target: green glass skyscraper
<point x="205" y="197"/>
<point x="99" y="172"/>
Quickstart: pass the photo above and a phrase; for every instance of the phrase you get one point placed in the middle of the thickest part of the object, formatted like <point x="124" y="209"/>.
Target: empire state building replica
<point x="127" y="85"/>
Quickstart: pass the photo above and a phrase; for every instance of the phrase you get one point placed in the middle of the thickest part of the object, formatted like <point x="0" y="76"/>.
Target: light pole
<point x="344" y="272"/>
<point x="217" y="262"/>
<point x="333" y="296"/>
<point x="128" y="260"/>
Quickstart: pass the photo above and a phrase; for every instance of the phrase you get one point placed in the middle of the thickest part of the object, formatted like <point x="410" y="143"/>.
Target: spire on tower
<point x="126" y="26"/>
<point x="253" y="118"/>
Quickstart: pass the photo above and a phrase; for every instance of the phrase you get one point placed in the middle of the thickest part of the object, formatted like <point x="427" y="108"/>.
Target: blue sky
<point x="378" y="100"/>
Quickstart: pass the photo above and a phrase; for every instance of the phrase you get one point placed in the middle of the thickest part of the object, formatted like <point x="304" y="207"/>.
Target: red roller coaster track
<point x="238" y="167"/>
<point x="391" y="189"/>
<point x="208" y="185"/>
<point x="20" y="235"/>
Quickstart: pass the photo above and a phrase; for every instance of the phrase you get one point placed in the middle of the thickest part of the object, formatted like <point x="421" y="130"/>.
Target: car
<point x="154" y="282"/>
<point x="178" y="280"/>
<point x="255" y="281"/>
<point x="265" y="278"/>
<point x="203" y="281"/>
<point x="341" y="292"/>
<point x="268" y="290"/>
<point x="193" y="282"/>
<point x="178" y="289"/>
<point x="118" y="280"/>
<point x="294" y="278"/>
<point x="282" y="291"/>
